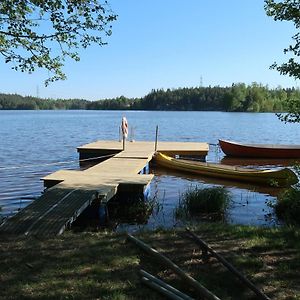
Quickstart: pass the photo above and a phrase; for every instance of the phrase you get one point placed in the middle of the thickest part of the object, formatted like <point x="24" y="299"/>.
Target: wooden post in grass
<point x="161" y="286"/>
<point x="228" y="265"/>
<point x="204" y="292"/>
<point x="160" y="289"/>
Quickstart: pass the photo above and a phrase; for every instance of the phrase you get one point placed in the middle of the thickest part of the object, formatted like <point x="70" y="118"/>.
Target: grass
<point x="74" y="266"/>
<point x="102" y="265"/>
<point x="198" y="201"/>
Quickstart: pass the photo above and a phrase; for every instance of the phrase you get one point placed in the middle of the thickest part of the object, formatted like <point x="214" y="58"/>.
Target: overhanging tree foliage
<point x="43" y="33"/>
<point x="288" y="10"/>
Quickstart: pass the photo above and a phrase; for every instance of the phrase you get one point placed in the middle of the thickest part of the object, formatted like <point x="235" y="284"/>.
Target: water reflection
<point x="249" y="204"/>
<point x="131" y="211"/>
<point x="205" y="180"/>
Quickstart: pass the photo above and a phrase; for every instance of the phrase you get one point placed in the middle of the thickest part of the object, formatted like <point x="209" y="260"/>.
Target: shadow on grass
<point x="270" y="258"/>
<point x="104" y="266"/>
<point x="82" y="266"/>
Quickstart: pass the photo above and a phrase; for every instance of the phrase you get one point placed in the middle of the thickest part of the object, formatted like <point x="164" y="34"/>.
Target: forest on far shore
<point x="238" y="97"/>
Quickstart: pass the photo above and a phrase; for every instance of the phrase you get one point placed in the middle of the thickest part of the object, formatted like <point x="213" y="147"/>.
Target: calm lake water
<point x="33" y="141"/>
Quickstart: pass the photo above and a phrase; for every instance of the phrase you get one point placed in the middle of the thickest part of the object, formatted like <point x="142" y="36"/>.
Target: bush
<point x="197" y="201"/>
<point x="287" y="207"/>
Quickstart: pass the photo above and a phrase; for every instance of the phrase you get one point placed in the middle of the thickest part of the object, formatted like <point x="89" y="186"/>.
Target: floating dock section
<point x="68" y="192"/>
<point x="142" y="148"/>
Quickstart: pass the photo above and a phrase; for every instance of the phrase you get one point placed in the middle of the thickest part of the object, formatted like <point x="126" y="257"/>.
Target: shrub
<point x="287" y="207"/>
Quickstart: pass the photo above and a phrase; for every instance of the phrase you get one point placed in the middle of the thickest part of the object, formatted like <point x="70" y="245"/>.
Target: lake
<point x="33" y="142"/>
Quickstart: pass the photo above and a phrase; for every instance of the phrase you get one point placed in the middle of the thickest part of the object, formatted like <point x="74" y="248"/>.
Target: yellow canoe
<point x="273" y="177"/>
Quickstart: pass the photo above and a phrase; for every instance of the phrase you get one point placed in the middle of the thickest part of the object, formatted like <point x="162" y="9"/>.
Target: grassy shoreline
<point x="103" y="265"/>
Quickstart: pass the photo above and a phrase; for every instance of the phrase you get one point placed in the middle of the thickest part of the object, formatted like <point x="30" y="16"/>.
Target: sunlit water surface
<point x="32" y="142"/>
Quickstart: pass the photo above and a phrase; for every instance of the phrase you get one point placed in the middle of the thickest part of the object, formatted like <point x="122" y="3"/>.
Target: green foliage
<point x="197" y="201"/>
<point x="288" y="10"/>
<point x="287" y="206"/>
<point x="42" y="34"/>
<point x="238" y="97"/>
<point x="10" y="102"/>
<point x="293" y="106"/>
<point x="120" y="103"/>
<point x="235" y="97"/>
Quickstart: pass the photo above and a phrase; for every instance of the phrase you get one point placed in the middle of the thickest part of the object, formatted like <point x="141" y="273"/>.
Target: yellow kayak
<point x="277" y="178"/>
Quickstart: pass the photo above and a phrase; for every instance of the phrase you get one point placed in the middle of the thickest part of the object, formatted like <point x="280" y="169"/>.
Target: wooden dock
<point x="70" y="192"/>
<point x="141" y="148"/>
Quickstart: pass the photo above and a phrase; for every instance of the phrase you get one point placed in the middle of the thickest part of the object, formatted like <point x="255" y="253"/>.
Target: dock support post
<point x="124" y="142"/>
<point x="156" y="138"/>
<point x="102" y="210"/>
<point x="102" y="213"/>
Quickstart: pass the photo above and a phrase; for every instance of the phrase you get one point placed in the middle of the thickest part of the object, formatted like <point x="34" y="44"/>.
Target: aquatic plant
<point x="197" y="201"/>
<point x="132" y="210"/>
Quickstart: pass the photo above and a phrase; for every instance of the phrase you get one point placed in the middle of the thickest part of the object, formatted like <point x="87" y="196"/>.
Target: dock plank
<point x="147" y="146"/>
<point x="26" y="217"/>
<point x="119" y="166"/>
<point x="53" y="211"/>
<point x="57" y="219"/>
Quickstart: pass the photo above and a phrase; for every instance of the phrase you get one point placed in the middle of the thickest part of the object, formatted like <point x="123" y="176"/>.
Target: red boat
<point x="259" y="150"/>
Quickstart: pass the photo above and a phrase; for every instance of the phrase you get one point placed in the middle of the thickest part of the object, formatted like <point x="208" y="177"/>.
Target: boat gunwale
<point x="225" y="170"/>
<point x="263" y="146"/>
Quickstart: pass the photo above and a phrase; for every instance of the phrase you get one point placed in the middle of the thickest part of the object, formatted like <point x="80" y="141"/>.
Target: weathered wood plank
<point x="145" y="146"/>
<point x="29" y="214"/>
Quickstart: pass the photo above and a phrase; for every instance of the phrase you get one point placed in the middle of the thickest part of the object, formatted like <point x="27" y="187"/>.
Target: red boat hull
<point x="259" y="151"/>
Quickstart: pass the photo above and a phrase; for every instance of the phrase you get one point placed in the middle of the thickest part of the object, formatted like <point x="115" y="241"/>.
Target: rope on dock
<point x="55" y="163"/>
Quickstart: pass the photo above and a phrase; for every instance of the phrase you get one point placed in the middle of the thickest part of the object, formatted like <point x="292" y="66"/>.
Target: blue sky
<point x="170" y="44"/>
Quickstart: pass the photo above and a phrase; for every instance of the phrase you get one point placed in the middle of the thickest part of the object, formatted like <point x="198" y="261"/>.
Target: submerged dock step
<point x="53" y="211"/>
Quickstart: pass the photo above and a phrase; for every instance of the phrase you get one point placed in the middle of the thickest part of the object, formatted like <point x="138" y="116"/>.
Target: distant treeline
<point x="238" y="97"/>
